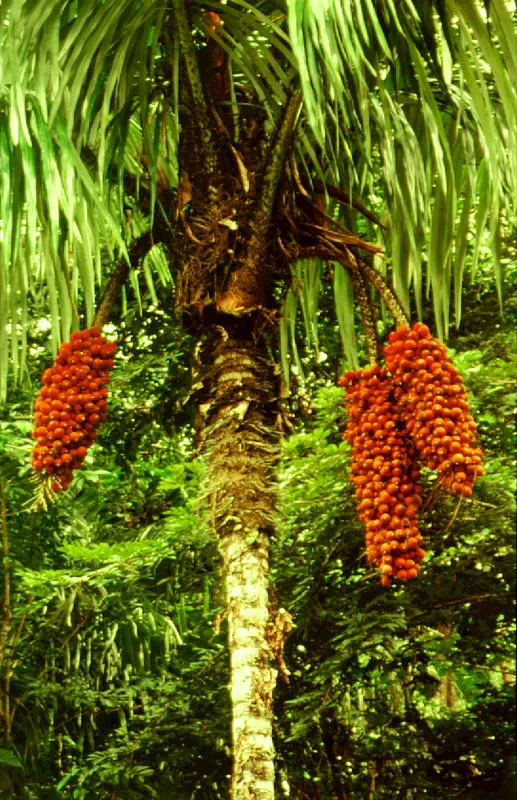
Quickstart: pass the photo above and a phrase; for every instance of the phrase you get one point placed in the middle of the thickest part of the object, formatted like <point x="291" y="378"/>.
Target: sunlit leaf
<point x="345" y="311"/>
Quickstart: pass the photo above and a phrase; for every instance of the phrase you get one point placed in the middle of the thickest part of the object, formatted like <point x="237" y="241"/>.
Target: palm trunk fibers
<point x="241" y="441"/>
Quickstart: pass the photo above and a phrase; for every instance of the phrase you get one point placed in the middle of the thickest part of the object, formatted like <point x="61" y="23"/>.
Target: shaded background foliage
<point x="116" y="673"/>
<point x="408" y="107"/>
<point x="406" y="693"/>
<point x="113" y="680"/>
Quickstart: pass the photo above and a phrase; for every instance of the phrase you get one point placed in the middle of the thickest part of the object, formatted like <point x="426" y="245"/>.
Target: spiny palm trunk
<point x="242" y="444"/>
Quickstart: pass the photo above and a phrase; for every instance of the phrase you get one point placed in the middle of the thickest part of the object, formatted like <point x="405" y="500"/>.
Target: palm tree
<point x="247" y="152"/>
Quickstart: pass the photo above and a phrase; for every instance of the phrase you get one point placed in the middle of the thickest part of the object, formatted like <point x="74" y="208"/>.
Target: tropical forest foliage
<point x="247" y="196"/>
<point x="114" y="670"/>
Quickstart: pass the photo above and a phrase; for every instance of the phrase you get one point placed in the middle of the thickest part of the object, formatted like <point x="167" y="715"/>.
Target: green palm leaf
<point x="430" y="88"/>
<point x="408" y="106"/>
<point x="76" y="82"/>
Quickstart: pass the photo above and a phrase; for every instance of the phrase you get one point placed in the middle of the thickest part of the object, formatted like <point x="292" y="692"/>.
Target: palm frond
<point x="81" y="109"/>
<point x="411" y="101"/>
<point x="345" y="310"/>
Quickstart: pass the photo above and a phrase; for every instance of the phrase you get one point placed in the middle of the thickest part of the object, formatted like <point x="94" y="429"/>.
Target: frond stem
<point x="275" y="163"/>
<point x="343" y="197"/>
<point x="386" y="292"/>
<point x="195" y="84"/>
<point x="119" y="276"/>
<point x="373" y="344"/>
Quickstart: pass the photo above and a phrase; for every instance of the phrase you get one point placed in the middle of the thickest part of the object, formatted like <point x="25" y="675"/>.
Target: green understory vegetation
<point x="114" y="672"/>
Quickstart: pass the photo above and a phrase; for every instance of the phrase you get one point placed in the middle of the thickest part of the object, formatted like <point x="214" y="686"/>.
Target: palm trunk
<point x="241" y="441"/>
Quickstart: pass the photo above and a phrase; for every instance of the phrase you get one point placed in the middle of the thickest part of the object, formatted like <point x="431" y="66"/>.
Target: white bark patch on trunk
<point x="253" y="677"/>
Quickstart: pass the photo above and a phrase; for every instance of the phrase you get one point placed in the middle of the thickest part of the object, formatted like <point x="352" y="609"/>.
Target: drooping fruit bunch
<point x="415" y="409"/>
<point x="70" y="406"/>
<point x="385" y="473"/>
<point x="434" y="406"/>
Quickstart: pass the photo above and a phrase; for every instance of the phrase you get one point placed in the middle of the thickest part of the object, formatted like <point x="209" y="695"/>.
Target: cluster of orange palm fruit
<point x="434" y="406"/>
<point x="71" y="405"/>
<point x="414" y="410"/>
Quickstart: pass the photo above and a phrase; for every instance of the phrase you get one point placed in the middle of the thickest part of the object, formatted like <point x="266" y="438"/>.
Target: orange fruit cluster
<point x="414" y="410"/>
<point x="434" y="407"/>
<point x="385" y="473"/>
<point x="71" y="405"/>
